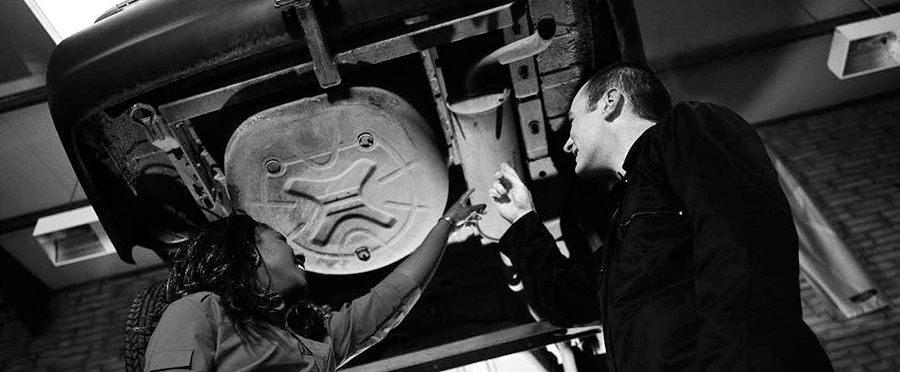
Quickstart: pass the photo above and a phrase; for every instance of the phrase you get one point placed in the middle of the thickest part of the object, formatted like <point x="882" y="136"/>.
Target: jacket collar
<point x="632" y="156"/>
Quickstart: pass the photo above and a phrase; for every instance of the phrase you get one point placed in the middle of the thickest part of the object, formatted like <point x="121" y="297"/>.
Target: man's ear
<point x="611" y="104"/>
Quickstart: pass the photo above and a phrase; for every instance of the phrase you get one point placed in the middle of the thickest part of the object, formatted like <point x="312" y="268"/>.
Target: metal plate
<point x="354" y="184"/>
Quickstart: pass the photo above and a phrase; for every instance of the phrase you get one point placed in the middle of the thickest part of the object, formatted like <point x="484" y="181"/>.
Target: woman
<point x="243" y="302"/>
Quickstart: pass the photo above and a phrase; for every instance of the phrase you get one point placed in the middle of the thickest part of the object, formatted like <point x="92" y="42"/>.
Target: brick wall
<point x="848" y="159"/>
<point x="563" y="65"/>
<point x="86" y="334"/>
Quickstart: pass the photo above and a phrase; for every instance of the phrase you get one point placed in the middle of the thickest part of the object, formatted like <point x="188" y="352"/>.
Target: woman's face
<point x="281" y="271"/>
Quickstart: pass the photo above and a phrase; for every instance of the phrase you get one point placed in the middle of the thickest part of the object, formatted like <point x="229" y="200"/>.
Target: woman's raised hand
<point x="461" y="213"/>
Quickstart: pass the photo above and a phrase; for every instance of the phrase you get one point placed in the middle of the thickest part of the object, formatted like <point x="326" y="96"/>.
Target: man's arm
<point x="558" y="289"/>
<point x="745" y="244"/>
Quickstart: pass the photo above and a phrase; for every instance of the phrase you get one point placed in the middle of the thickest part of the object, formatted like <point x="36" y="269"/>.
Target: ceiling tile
<point x="671" y="28"/>
<point x="37" y="172"/>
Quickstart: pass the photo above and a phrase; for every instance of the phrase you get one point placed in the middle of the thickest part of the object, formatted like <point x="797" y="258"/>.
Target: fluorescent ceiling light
<point x="63" y="18"/>
<point x="72" y="236"/>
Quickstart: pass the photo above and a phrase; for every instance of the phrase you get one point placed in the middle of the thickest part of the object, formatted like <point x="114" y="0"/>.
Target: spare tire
<point x="354" y="184"/>
<point x="143" y="316"/>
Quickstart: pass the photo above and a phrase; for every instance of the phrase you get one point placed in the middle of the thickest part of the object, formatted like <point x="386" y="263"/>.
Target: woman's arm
<point x="366" y="320"/>
<point x="421" y="264"/>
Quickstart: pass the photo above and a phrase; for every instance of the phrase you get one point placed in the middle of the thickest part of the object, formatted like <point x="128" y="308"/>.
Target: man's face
<point x="591" y="139"/>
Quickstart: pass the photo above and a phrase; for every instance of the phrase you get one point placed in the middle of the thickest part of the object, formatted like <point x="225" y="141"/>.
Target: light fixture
<point x="865" y="47"/>
<point x="72" y="236"/>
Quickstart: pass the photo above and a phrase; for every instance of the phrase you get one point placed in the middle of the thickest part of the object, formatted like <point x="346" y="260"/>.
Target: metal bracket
<point x="439" y="94"/>
<point x="196" y="167"/>
<point x="531" y="127"/>
<point x="323" y="61"/>
<point x="530" y="108"/>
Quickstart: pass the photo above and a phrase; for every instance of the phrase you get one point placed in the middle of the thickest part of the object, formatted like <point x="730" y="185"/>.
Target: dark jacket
<point x="700" y="269"/>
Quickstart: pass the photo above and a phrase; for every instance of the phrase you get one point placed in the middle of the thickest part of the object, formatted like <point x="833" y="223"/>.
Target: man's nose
<point x="569" y="146"/>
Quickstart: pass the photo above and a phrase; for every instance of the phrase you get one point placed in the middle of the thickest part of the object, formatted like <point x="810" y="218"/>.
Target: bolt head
<point x="365" y="140"/>
<point x="273" y="166"/>
<point x="363" y="253"/>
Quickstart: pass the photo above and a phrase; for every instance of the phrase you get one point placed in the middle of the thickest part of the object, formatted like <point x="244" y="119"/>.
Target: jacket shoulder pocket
<point x="648" y="231"/>
<point x="171" y="360"/>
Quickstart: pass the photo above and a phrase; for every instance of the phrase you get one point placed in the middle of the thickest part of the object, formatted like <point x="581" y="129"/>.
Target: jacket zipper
<point x="660" y="213"/>
<point x="607" y="253"/>
<point x="622" y="226"/>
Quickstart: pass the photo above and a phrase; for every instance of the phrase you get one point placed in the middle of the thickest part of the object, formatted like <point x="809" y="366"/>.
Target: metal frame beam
<point x="416" y="41"/>
<point x="487" y="346"/>
<point x="28" y="220"/>
<point x="22" y="99"/>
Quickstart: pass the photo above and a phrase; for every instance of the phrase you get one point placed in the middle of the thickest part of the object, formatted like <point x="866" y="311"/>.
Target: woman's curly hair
<point x="223" y="258"/>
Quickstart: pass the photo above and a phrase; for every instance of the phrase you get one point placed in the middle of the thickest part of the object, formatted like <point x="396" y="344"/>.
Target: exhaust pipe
<point x="512" y="52"/>
<point x="486" y="129"/>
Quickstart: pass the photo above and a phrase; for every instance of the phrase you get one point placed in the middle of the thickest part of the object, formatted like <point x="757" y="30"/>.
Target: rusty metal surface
<point x="433" y="35"/>
<point x="435" y="76"/>
<point x="323" y="62"/>
<point x="429" y="36"/>
<point x="201" y="175"/>
<point x="154" y="43"/>
<point x="354" y="184"/>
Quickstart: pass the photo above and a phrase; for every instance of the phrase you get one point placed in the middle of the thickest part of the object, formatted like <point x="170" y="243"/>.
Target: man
<point x="700" y="267"/>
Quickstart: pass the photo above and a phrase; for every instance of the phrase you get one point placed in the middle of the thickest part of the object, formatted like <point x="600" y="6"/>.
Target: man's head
<point x="610" y="112"/>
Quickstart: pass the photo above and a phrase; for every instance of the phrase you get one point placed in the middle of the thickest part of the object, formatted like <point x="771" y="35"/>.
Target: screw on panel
<point x="273" y="166"/>
<point x="141" y="115"/>
<point x="535" y="127"/>
<point x="523" y="72"/>
<point x="365" y="140"/>
<point x="363" y="253"/>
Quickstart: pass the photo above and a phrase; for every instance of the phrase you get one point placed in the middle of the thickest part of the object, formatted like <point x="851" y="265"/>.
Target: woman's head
<point x="282" y="271"/>
<point x="246" y="263"/>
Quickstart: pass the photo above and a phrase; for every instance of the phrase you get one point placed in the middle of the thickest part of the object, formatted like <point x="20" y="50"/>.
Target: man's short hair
<point x="648" y="94"/>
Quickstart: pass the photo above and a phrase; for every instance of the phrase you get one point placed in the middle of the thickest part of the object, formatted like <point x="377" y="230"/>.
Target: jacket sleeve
<point x="365" y="321"/>
<point x="745" y="244"/>
<point x="560" y="290"/>
<point x="184" y="340"/>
